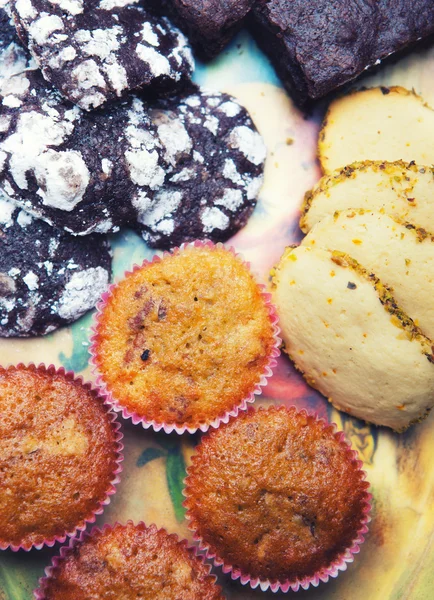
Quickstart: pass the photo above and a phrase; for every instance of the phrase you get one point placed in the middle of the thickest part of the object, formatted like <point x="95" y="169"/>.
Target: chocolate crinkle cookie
<point x="76" y="170"/>
<point x="214" y="170"/>
<point x="96" y="50"/>
<point x="48" y="278"/>
<point x="177" y="170"/>
<point x="13" y="57"/>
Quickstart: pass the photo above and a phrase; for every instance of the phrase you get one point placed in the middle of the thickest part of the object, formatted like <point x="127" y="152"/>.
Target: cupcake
<point x="185" y="341"/>
<point x="128" y="561"/>
<point x="278" y="498"/>
<point x="59" y="455"/>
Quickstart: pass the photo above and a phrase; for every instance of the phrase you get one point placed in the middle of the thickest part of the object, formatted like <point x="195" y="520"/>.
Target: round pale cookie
<point x="381" y="124"/>
<point x="75" y="170"/>
<point x="399" y="254"/>
<point x="48" y="278"/>
<point x="403" y="190"/>
<point x="345" y="332"/>
<point x="13" y="57"/>
<point x="215" y="163"/>
<point x="96" y="50"/>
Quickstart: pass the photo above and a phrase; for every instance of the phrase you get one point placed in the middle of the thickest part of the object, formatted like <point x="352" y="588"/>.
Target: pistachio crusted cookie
<point x="403" y="190"/>
<point x="379" y="124"/>
<point x="48" y="278"/>
<point x="129" y="562"/>
<point x="96" y="50"/>
<point x="353" y="342"/>
<point x="277" y="496"/>
<point x="59" y="456"/>
<point x="185" y="341"/>
<point x="401" y="255"/>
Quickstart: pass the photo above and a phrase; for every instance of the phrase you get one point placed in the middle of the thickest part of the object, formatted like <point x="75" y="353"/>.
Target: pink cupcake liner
<point x="333" y="570"/>
<point x="111" y="490"/>
<point x="224" y="418"/>
<point x="65" y="551"/>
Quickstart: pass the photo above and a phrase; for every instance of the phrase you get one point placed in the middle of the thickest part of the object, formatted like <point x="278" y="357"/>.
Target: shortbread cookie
<point x="381" y="123"/>
<point x="48" y="278"/>
<point x="96" y="50"/>
<point x="75" y="170"/>
<point x="347" y="335"/>
<point x="403" y="190"/>
<point x="400" y="255"/>
<point x="214" y="162"/>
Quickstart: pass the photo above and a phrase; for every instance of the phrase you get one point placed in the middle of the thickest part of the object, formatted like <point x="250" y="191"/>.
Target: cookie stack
<point x="101" y="128"/>
<point x="355" y="299"/>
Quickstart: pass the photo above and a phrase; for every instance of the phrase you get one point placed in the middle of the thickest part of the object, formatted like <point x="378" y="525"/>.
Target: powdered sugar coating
<point x="214" y="163"/>
<point x="76" y="170"/>
<point x="48" y="278"/>
<point x="96" y="50"/>
<point x="13" y="57"/>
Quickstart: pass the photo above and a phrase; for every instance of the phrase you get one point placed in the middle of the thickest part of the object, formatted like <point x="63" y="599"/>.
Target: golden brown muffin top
<point x="58" y="452"/>
<point x="184" y="340"/>
<point x="276" y="494"/>
<point x="131" y="562"/>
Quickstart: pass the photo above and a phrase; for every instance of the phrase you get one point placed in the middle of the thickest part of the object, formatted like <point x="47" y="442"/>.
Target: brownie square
<point x="318" y="46"/>
<point x="210" y="24"/>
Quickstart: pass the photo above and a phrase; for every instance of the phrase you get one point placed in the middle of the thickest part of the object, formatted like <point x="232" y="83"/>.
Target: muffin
<point x="278" y="498"/>
<point x="59" y="455"/>
<point x="128" y="561"/>
<point x="185" y="341"/>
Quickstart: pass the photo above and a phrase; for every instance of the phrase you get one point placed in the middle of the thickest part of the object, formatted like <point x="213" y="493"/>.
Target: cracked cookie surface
<point x="48" y="278"/>
<point x="214" y="159"/>
<point x="97" y="50"/>
<point x="76" y="170"/>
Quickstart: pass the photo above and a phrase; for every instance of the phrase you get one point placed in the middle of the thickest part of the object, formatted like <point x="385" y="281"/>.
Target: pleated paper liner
<point x="104" y="499"/>
<point x="190" y="553"/>
<point x="225" y="415"/>
<point x="294" y="583"/>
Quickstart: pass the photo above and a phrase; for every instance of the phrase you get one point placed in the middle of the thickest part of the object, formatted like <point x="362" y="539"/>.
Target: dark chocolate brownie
<point x="13" y="57"/>
<point x="214" y="170"/>
<point x="318" y="46"/>
<point x="76" y="170"/>
<point x="96" y="50"/>
<point x="210" y="24"/>
<point x="47" y="277"/>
